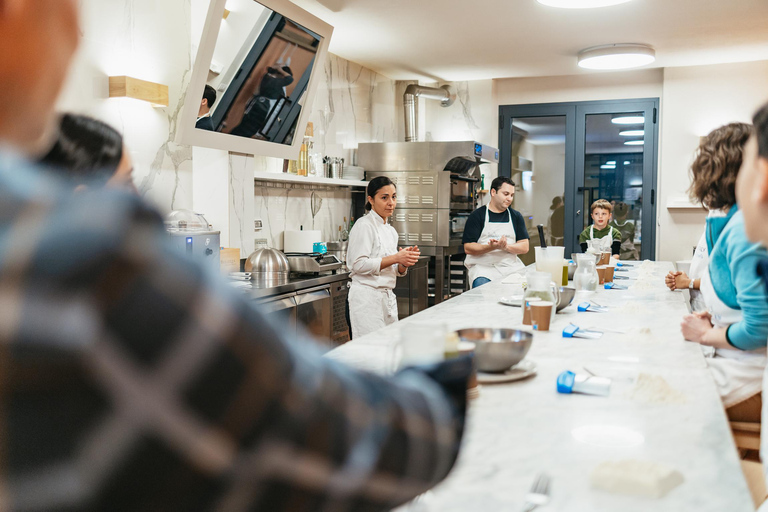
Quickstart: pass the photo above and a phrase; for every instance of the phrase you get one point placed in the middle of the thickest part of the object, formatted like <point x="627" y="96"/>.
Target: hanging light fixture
<point x="634" y="142"/>
<point x="581" y="4"/>
<point x="617" y="56"/>
<point x="632" y="133"/>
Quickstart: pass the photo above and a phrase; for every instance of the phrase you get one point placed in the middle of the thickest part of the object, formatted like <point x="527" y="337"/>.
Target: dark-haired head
<point x="209" y="95"/>
<point x="374" y="186"/>
<point x="760" y="122"/>
<point x="497" y="183"/>
<point x="716" y="166"/>
<point x="86" y="152"/>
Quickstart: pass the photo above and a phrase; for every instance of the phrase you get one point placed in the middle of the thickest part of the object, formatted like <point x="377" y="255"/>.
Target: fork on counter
<point x="539" y="493"/>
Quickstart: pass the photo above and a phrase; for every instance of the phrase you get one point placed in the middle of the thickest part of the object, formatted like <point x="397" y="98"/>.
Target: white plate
<point x="515" y="300"/>
<point x="521" y="370"/>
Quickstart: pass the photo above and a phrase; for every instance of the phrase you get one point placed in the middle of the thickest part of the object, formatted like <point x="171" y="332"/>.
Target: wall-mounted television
<point x="263" y="71"/>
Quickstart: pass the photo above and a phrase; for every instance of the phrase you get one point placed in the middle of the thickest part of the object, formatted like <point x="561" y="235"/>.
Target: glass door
<point x="537" y="156"/>
<point x="564" y="156"/>
<point x="615" y="161"/>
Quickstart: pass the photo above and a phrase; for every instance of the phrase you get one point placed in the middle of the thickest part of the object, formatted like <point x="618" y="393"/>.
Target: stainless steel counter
<point x="295" y="284"/>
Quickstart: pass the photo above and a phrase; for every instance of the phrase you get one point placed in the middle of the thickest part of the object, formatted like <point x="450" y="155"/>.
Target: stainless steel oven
<point x="464" y="191"/>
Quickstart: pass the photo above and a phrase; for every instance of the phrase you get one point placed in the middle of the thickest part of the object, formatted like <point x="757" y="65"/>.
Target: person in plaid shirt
<point x="132" y="380"/>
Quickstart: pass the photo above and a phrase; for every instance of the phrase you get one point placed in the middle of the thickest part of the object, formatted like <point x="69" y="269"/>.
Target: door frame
<point x="575" y="134"/>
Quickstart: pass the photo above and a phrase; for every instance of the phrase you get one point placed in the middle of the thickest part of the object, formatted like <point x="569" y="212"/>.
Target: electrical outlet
<point x="257" y="225"/>
<point x="259" y="243"/>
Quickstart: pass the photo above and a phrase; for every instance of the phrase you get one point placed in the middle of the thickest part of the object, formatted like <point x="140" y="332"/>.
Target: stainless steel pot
<point x="268" y="268"/>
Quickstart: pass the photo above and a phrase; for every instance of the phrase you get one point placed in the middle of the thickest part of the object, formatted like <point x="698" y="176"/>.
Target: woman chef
<point x="375" y="261"/>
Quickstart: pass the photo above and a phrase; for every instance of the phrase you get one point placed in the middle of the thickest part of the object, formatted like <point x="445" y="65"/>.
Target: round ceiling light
<point x="634" y="143"/>
<point x="581" y="4"/>
<point x="616" y="56"/>
<point x="628" y="119"/>
<point x="632" y="133"/>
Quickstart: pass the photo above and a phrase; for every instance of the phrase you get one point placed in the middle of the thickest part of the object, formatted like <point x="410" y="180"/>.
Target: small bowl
<point x="497" y="349"/>
<point x="566" y="297"/>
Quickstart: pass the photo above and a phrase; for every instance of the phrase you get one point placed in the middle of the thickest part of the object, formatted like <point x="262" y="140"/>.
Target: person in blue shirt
<point x="752" y="194"/>
<point x="735" y="322"/>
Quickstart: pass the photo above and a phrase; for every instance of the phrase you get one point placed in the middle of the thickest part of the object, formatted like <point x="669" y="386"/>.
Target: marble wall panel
<point x="147" y="40"/>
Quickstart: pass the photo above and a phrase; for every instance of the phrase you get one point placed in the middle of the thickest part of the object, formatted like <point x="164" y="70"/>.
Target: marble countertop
<point x="518" y="429"/>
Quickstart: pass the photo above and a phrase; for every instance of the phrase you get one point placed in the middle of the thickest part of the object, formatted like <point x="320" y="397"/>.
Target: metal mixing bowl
<point x="497" y="349"/>
<point x="566" y="297"/>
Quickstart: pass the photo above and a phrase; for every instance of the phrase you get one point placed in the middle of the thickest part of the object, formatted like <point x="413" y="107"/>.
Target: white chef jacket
<point x="370" y="241"/>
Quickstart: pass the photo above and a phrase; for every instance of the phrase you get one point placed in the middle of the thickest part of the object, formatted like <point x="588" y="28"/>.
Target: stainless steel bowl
<point x="268" y="267"/>
<point x="496" y="350"/>
<point x="566" y="297"/>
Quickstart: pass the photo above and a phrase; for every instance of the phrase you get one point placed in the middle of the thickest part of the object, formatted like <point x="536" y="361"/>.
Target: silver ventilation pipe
<point x="446" y="94"/>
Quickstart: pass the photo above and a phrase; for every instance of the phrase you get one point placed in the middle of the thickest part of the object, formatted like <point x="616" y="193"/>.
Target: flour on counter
<point x="633" y="308"/>
<point x="654" y="389"/>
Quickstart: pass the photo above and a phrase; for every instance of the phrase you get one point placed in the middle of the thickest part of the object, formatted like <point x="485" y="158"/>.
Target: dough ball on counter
<point x="636" y="478"/>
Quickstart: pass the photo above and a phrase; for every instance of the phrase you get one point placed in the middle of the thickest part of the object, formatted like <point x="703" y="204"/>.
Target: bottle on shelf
<point x="314" y="160"/>
<point x="344" y="231"/>
<point x="293" y="167"/>
<point x="302" y="162"/>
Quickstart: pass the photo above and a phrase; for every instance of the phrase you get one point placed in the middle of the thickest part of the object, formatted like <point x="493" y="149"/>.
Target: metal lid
<point x="186" y="221"/>
<point x="267" y="260"/>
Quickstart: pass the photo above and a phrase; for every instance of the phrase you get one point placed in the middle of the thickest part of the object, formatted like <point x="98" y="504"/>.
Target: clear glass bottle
<point x="585" y="278"/>
<point x="314" y="160"/>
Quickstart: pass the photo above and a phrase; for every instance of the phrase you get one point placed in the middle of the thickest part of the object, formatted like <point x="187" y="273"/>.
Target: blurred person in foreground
<point x="752" y="194"/>
<point x="88" y="152"/>
<point x="134" y="380"/>
<point x="734" y="327"/>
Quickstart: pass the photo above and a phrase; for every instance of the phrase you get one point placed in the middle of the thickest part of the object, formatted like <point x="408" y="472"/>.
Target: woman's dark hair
<point x="86" y="150"/>
<point x="556" y="201"/>
<point x="717" y="164"/>
<point x="761" y="129"/>
<point x="374" y="186"/>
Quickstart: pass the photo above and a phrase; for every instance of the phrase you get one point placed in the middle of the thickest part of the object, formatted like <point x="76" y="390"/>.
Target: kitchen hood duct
<point x="446" y="94"/>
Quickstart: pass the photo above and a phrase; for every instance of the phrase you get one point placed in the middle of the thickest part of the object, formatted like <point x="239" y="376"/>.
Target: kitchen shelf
<point x="309" y="180"/>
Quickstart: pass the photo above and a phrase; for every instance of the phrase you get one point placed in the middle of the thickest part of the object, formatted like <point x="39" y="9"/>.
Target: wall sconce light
<point x="129" y="87"/>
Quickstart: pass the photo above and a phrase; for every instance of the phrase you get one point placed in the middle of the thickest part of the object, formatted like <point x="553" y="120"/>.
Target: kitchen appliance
<point x="313" y="263"/>
<point x="339" y="249"/>
<point x="191" y="235"/>
<point x="301" y="241"/>
<point x="437" y="188"/>
<point x="268" y="267"/>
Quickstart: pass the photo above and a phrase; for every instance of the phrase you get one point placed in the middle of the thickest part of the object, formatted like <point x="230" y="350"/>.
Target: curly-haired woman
<point x="735" y="322"/>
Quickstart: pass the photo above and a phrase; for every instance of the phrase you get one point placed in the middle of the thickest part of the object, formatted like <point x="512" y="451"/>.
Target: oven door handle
<point x="464" y="178"/>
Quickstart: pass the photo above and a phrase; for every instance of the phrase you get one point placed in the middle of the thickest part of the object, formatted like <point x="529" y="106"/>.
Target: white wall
<point x="588" y="87"/>
<point x="698" y="99"/>
<point x="147" y="40"/>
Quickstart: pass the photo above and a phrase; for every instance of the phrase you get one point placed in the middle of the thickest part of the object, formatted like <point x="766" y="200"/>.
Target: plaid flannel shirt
<point x="134" y="380"/>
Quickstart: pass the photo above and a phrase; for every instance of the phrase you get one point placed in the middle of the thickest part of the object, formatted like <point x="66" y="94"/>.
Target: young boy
<point x="601" y="216"/>
<point x="752" y="197"/>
